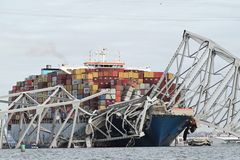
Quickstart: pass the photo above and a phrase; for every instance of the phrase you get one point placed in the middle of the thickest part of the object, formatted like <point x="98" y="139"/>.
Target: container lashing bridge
<point x="205" y="78"/>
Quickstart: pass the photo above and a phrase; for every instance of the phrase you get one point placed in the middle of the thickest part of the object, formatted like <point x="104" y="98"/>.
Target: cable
<point x="124" y="17"/>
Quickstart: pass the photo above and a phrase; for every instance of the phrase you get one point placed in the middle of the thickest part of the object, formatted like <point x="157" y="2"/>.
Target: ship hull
<point x="162" y="131"/>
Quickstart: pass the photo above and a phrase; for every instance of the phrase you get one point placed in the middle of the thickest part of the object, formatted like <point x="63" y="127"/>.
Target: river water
<point x="223" y="152"/>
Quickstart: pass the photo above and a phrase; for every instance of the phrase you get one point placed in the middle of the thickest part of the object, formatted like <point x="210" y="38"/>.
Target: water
<point x="224" y="152"/>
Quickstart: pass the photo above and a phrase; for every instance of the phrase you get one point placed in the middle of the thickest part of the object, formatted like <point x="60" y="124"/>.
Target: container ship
<point x="124" y="84"/>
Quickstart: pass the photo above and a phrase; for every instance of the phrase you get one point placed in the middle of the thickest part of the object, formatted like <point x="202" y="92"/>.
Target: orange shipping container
<point x="121" y="74"/>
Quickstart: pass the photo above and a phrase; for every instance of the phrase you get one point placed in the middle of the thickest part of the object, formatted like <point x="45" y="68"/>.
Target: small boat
<point x="199" y="141"/>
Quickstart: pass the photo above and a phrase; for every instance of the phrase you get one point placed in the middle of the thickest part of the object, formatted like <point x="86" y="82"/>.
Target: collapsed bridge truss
<point x="206" y="78"/>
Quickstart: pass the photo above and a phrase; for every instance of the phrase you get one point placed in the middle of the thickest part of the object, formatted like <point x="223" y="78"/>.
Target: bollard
<point x="23" y="148"/>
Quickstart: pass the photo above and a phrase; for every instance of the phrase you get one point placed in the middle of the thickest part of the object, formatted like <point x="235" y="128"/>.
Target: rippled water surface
<point x="224" y="152"/>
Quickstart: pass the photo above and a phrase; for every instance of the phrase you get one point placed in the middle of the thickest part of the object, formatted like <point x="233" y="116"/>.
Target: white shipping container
<point x="113" y="96"/>
<point x="75" y="87"/>
<point x="113" y="91"/>
<point x="126" y="98"/>
<point x="74" y="95"/>
<point x="129" y="94"/>
<point x="147" y="86"/>
<point x="74" y="92"/>
<point x="54" y="79"/>
<point x="54" y="83"/>
<point x="86" y="90"/>
<point x="137" y="92"/>
<point x="108" y="96"/>
<point x="142" y="86"/>
<point x="75" y="81"/>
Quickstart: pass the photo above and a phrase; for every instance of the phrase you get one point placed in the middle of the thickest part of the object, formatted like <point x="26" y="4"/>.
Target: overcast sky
<point x="146" y="32"/>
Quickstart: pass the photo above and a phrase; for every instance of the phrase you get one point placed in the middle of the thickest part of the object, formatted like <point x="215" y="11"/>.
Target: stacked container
<point x="124" y="84"/>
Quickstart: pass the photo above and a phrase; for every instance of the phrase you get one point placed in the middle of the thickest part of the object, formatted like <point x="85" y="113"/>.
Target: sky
<point x="145" y="32"/>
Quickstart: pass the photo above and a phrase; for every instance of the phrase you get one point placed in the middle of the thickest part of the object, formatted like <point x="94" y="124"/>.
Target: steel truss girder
<point x="133" y="114"/>
<point x="206" y="78"/>
<point x="24" y="103"/>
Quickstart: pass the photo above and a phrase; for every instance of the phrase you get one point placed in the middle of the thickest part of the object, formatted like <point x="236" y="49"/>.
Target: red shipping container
<point x="125" y="81"/>
<point x="53" y="74"/>
<point x="49" y="78"/>
<point x="158" y="74"/>
<point x="105" y="73"/>
<point x="42" y="84"/>
<point x="62" y="76"/>
<point x="118" y="99"/>
<point x="69" y="76"/>
<point x="141" y="75"/>
<point x="119" y="82"/>
<point x="28" y="82"/>
<point x="89" y="70"/>
<point x="63" y="81"/>
<point x="118" y="93"/>
<point x="115" y="74"/>
<point x="142" y="91"/>
<point x="119" y="69"/>
<point x="14" y="87"/>
<point x="100" y="74"/>
<point x="118" y="88"/>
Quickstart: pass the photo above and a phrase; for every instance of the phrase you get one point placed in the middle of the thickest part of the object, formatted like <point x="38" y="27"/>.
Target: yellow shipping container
<point x="151" y="74"/>
<point x="101" y="107"/>
<point x="125" y="75"/>
<point x="140" y="81"/>
<point x="68" y="88"/>
<point x="170" y="76"/>
<point x="145" y="74"/>
<point x="40" y="79"/>
<point x="77" y="76"/>
<point x="130" y="74"/>
<point x="78" y="71"/>
<point x="94" y="87"/>
<point x="84" y="76"/>
<point x="89" y="76"/>
<point x="74" y="71"/>
<point x="93" y="92"/>
<point x="80" y="86"/>
<point x="95" y="74"/>
<point x="135" y="75"/>
<point x="148" y="74"/>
